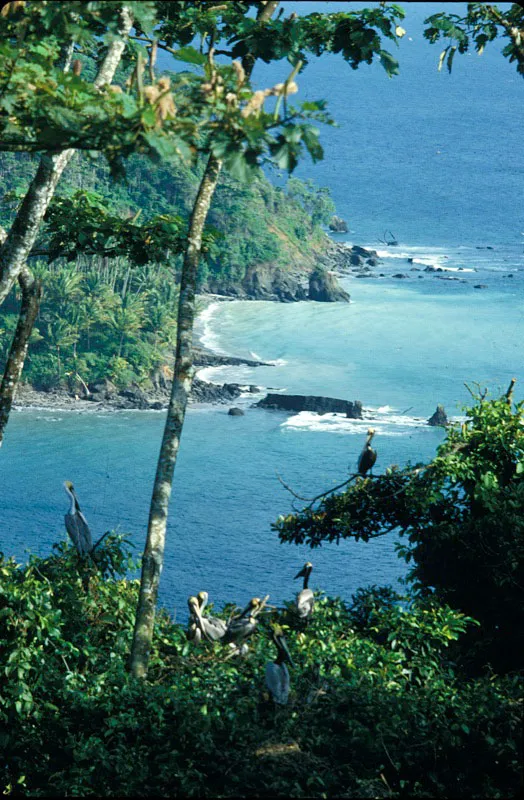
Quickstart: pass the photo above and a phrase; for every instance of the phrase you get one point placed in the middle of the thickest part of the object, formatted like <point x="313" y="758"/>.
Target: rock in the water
<point x="321" y="405"/>
<point x="338" y="225"/>
<point x="373" y="262"/>
<point x="481" y="286"/>
<point x="324" y="287"/>
<point x="235" y="412"/>
<point x="203" y="392"/>
<point x="355" y="260"/>
<point x="439" y="417"/>
<point x="399" y="275"/>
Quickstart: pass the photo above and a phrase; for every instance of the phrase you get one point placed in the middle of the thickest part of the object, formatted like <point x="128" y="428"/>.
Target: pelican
<point x="277" y="673"/>
<point x="212" y="628"/>
<point x="368" y="456"/>
<point x="305" y="599"/>
<point x="194" y="633"/>
<point x="76" y="523"/>
<point x="243" y="626"/>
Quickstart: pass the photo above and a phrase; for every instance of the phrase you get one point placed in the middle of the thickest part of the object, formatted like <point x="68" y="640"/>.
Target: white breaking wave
<point x="384" y="423"/>
<point x="208" y="337"/>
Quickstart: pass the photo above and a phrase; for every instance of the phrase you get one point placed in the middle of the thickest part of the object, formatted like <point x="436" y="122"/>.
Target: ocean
<point x="438" y="160"/>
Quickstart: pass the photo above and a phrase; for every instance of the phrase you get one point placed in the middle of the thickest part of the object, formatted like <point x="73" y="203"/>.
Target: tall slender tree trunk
<point x="31" y="295"/>
<point x="153" y="558"/>
<point x="22" y="236"/>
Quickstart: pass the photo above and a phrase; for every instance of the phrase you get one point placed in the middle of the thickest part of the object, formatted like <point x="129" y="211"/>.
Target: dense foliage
<point x="377" y="706"/>
<point x="109" y="256"/>
<point x="461" y="515"/>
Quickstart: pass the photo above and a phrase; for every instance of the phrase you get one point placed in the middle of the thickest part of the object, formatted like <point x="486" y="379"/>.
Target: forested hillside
<point x="104" y="316"/>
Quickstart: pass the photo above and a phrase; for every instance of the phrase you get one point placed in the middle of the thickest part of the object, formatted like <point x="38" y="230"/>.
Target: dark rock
<point x="103" y="389"/>
<point x="203" y="392"/>
<point x="338" y="225"/>
<point x="355" y="259"/>
<point x="410" y="261"/>
<point x="157" y="405"/>
<point x="400" y="275"/>
<point x="235" y="412"/>
<point x="481" y="286"/>
<point x="439" y="417"/>
<point x="324" y="288"/>
<point x="205" y="358"/>
<point x="373" y="262"/>
<point x="133" y="397"/>
<point x="254" y="389"/>
<point x="321" y="405"/>
<point x="414" y="269"/>
<point x="264" y="282"/>
<point x="510" y="275"/>
<point x="361" y="251"/>
<point x="429" y="269"/>
<point x="489" y="247"/>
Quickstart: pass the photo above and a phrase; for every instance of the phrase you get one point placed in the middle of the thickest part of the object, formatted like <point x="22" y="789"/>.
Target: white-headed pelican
<point x="305" y="599"/>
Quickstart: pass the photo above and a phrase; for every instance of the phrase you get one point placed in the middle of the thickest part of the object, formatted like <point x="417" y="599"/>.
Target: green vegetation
<point x="383" y="701"/>
<point x="109" y="257"/>
<point x="461" y="515"/>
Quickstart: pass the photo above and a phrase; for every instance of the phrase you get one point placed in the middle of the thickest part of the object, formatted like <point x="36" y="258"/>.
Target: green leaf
<point x="190" y="56"/>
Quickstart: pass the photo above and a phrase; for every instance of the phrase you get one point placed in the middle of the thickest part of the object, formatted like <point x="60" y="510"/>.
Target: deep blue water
<point x="438" y="159"/>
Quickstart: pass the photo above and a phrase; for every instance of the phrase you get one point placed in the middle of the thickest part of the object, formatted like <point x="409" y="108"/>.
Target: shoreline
<point x="105" y="397"/>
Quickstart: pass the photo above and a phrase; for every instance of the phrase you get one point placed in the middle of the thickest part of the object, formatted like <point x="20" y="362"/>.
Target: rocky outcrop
<point x="318" y="404"/>
<point x="338" y="225"/>
<point x="439" y="417"/>
<point x="324" y="287"/>
<point x="235" y="412"/>
<point x="264" y="282"/>
<point x="206" y="358"/>
<point x="203" y="392"/>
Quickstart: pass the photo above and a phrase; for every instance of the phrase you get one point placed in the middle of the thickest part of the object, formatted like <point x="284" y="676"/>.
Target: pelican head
<point x="371" y="433"/>
<point x="193" y="605"/>
<point x="277" y="635"/>
<point x="305" y="571"/>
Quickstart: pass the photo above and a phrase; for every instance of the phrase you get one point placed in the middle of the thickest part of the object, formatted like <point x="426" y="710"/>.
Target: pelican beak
<point x="283" y="646"/>
<point x="300" y="574"/>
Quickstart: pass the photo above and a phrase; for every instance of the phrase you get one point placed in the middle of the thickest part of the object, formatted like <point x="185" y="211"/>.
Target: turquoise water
<point x="400" y="347"/>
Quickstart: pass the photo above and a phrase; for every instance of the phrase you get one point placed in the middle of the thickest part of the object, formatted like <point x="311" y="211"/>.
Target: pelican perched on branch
<point x="305" y="599"/>
<point x="368" y="456"/>
<point x="241" y="627"/>
<point x="277" y="673"/>
<point x="76" y="523"/>
<point x="211" y="628"/>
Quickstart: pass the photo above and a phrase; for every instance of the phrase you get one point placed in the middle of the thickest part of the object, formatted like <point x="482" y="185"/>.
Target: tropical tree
<point x="460" y="520"/>
<point x="242" y="132"/>
<point x="39" y="41"/>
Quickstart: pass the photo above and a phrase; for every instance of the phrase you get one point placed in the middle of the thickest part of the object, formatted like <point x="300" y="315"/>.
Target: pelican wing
<point x="78" y="530"/>
<point x="240" y="628"/>
<point x="277" y="681"/>
<point x="305" y="603"/>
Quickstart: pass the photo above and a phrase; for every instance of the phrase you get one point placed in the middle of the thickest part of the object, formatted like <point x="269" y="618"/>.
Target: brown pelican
<point x="194" y="632"/>
<point x="76" y="523"/>
<point x="241" y="627"/>
<point x="368" y="456"/>
<point x="211" y="628"/>
<point x="305" y="599"/>
<point x="277" y="673"/>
